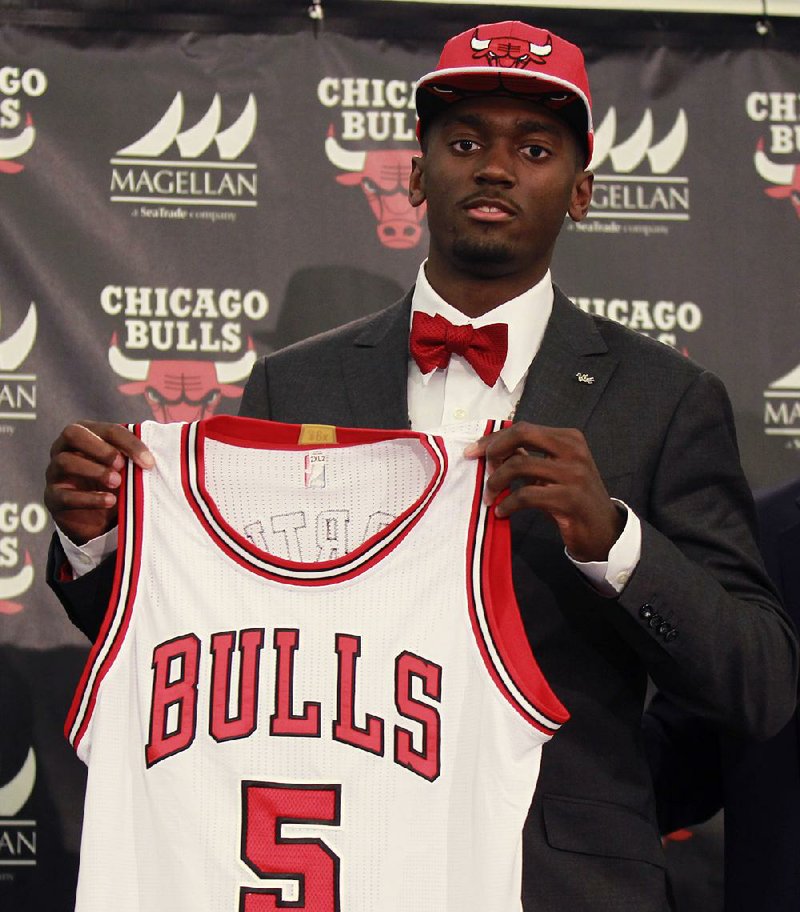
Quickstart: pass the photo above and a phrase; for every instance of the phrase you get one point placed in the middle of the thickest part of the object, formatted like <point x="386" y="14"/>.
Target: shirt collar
<point x="526" y="316"/>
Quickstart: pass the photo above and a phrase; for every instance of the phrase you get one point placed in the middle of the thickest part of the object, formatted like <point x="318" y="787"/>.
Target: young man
<point x="663" y="581"/>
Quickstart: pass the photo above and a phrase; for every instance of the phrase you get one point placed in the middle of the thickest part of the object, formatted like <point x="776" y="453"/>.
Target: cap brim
<point x="437" y="90"/>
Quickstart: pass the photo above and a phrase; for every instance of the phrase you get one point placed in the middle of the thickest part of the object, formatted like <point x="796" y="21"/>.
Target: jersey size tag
<point x="315" y="470"/>
<point x="316" y="433"/>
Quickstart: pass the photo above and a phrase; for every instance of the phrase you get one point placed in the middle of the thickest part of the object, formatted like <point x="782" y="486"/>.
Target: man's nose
<point x="496" y="166"/>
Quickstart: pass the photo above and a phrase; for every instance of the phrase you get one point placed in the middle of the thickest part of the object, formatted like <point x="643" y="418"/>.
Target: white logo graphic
<point x="629" y="154"/>
<point x="15" y="794"/>
<point x="18" y="391"/>
<point x="194" y="141"/>
<point x="17" y="146"/>
<point x="652" y="197"/>
<point x="18" y="345"/>
<point x="782" y="406"/>
<point x="140" y="173"/>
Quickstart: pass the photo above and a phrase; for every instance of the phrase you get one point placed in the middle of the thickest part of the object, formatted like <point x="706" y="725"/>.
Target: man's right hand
<point x="84" y="473"/>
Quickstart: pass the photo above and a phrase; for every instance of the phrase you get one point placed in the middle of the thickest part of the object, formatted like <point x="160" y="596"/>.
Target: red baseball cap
<point x="516" y="59"/>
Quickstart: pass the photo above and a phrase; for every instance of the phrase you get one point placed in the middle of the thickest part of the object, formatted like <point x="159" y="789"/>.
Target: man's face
<point x="499" y="175"/>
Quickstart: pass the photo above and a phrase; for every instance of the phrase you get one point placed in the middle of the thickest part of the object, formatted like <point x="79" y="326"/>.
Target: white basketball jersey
<point x="312" y="688"/>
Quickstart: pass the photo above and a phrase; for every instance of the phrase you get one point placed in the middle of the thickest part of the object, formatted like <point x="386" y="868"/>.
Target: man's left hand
<point x="554" y="472"/>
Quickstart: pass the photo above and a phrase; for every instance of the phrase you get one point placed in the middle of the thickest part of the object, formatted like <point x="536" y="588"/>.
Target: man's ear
<point x="581" y="196"/>
<point x="416" y="181"/>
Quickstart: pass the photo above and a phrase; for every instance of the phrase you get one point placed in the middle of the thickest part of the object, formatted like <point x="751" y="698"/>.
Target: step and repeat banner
<point x="176" y="204"/>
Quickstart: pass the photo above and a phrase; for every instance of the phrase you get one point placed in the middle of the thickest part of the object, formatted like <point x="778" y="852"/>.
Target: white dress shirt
<point x="456" y="394"/>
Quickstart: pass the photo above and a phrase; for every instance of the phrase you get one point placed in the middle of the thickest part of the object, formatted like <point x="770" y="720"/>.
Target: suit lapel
<point x="570" y="372"/>
<point x="375" y="369"/>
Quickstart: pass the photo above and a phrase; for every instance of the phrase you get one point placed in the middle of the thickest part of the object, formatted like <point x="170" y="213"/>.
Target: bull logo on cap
<point x="505" y="51"/>
<point x="180" y="390"/>
<point x="786" y="176"/>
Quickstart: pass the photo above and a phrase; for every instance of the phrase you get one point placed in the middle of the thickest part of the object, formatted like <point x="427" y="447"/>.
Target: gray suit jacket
<point x="698" y="615"/>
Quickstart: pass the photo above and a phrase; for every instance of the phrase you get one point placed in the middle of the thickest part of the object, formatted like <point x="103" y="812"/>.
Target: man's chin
<point x="482" y="256"/>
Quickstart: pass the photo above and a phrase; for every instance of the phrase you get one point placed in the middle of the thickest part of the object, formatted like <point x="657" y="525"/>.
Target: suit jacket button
<point x="664" y="629"/>
<point x="646" y="612"/>
<point x="655" y="620"/>
<point x="672" y="635"/>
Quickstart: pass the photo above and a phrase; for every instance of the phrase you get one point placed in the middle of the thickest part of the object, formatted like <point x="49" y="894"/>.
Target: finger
<point x="74" y="470"/>
<point x="59" y="500"/>
<point x="522" y="468"/>
<point x="107" y="443"/>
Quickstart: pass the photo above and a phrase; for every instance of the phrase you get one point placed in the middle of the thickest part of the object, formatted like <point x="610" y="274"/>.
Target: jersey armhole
<point x="497" y="622"/>
<point x="118" y="611"/>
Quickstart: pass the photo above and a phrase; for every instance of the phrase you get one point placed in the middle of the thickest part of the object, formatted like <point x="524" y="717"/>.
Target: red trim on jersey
<point x="107" y="645"/>
<point x="257" y="434"/>
<point x="496" y="621"/>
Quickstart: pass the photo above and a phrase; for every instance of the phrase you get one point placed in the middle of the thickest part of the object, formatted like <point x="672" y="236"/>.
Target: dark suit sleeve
<point x="699" y="608"/>
<point x="86" y="598"/>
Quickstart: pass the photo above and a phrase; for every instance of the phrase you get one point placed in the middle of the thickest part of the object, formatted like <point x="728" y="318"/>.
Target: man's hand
<point x="551" y="469"/>
<point x="83" y="474"/>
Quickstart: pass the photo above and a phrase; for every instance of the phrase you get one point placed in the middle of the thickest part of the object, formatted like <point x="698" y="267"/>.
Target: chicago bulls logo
<point x="180" y="390"/>
<point x="785" y="176"/>
<point x="505" y="51"/>
<point x="383" y="176"/>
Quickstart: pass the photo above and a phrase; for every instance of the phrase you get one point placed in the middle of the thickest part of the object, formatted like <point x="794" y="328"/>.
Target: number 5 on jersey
<point x="272" y="856"/>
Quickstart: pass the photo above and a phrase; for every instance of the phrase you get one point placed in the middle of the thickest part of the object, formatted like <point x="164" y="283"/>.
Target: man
<point x="697" y="771"/>
<point x="664" y="580"/>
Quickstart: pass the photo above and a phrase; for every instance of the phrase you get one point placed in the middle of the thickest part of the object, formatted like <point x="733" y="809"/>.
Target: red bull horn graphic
<point x="504" y="51"/>
<point x="383" y="176"/>
<point x="180" y="390"/>
<point x="785" y="176"/>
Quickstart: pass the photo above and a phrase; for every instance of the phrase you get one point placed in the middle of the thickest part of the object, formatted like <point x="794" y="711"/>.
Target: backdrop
<point x="180" y="196"/>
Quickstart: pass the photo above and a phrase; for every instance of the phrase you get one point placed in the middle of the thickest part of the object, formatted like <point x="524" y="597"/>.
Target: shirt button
<point x="623" y="577"/>
<point x="459" y="413"/>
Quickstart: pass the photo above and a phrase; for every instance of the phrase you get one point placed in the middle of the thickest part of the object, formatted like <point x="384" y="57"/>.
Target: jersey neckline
<point x="260" y="434"/>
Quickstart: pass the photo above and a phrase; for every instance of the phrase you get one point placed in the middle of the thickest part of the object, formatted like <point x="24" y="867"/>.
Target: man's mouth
<point x="489" y="210"/>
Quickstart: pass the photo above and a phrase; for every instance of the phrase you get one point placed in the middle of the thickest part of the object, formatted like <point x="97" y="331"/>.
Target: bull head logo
<point x="383" y="176"/>
<point x="786" y="176"/>
<point x="180" y="390"/>
<point x="504" y="51"/>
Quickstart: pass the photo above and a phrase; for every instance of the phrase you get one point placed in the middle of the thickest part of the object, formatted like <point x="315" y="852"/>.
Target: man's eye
<point x="535" y="151"/>
<point x="465" y="145"/>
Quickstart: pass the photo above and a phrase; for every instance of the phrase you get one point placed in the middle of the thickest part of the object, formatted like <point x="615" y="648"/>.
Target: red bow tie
<point x="434" y="339"/>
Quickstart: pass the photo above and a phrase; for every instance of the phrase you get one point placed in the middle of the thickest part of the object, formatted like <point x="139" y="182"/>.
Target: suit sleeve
<point x="699" y="608"/>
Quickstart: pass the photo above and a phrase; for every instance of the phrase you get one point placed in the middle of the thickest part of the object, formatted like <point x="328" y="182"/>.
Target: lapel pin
<point x="584" y="378"/>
